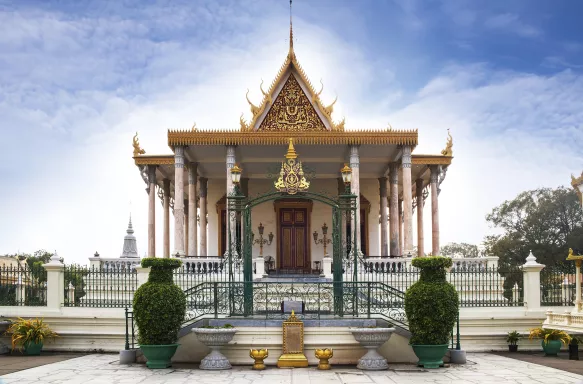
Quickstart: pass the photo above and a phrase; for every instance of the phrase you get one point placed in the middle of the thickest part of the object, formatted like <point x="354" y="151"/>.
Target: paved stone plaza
<point x="481" y="368"/>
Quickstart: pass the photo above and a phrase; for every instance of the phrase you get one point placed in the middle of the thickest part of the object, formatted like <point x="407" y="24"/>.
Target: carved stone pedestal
<point x="371" y="339"/>
<point x="215" y="338"/>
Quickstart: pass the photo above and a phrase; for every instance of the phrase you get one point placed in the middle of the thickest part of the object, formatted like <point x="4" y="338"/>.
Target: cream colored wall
<point x="265" y="213"/>
<point x="369" y="188"/>
<point x="216" y="190"/>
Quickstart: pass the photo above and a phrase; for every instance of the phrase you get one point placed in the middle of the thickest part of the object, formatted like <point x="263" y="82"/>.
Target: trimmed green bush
<point x="159" y="305"/>
<point x="431" y="304"/>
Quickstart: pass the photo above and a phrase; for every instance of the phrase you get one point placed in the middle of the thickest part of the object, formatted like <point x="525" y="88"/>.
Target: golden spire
<point x="291" y="30"/>
<point x="291" y="151"/>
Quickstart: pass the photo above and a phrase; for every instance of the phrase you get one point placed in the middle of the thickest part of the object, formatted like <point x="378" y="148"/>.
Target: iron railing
<point x="319" y="300"/>
<point x="97" y="287"/>
<point x="557" y="285"/>
<point x="131" y="336"/>
<point x="23" y="285"/>
<point x="478" y="286"/>
<point x="215" y="268"/>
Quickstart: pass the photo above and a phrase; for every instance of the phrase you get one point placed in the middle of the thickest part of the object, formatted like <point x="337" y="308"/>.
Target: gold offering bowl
<point x="258" y="355"/>
<point x="324" y="355"/>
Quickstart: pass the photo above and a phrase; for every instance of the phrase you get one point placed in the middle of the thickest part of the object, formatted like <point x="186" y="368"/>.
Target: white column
<point x="151" y="211"/>
<point x="186" y="223"/>
<point x="55" y="282"/>
<point x="231" y="160"/>
<point x="407" y="201"/>
<point x="179" y="200"/>
<point x="434" y="211"/>
<point x="394" y="215"/>
<point x="401" y="231"/>
<point x="203" y="223"/>
<point x="355" y="189"/>
<point x="384" y="232"/>
<point x="166" y="251"/>
<point x="192" y="225"/>
<point x="419" y="198"/>
<point x="577" y="286"/>
<point x="531" y="273"/>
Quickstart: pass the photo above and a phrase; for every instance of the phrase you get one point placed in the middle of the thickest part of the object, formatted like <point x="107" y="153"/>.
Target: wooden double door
<point x="293" y="252"/>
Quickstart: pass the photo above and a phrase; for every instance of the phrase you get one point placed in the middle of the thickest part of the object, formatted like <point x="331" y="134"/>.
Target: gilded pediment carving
<point x="292" y="111"/>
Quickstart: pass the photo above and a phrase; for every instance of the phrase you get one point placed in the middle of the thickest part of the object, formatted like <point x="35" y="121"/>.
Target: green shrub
<point x="159" y="305"/>
<point x="431" y="304"/>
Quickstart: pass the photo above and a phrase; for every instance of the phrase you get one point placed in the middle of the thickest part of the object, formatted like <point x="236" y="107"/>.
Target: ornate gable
<point x="292" y="111"/>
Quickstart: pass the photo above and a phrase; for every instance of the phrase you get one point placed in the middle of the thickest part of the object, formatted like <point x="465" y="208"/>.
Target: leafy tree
<point x="546" y="221"/>
<point x="464" y="249"/>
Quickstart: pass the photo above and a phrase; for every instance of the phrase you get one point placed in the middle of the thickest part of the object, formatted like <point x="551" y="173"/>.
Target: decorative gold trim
<point x="154" y="160"/>
<point x="137" y="149"/>
<point x="575" y="182"/>
<point x="431" y="160"/>
<point x="291" y="177"/>
<point x="231" y="137"/>
<point x="448" y="146"/>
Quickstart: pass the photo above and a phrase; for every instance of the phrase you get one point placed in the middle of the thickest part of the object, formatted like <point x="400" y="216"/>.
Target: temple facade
<point x="288" y="162"/>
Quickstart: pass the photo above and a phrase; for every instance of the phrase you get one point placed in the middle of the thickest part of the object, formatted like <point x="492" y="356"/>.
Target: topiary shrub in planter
<point x="431" y="305"/>
<point x="159" y="309"/>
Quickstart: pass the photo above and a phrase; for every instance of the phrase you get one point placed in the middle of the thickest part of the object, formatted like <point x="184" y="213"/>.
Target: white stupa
<point x="130" y="247"/>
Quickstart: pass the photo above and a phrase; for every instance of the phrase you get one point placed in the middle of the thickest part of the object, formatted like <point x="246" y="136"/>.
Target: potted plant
<point x="4" y="325"/>
<point x="551" y="339"/>
<point x="431" y="306"/>
<point x="512" y="340"/>
<point x="215" y="338"/>
<point x="159" y="308"/>
<point x="29" y="335"/>
<point x="574" y="347"/>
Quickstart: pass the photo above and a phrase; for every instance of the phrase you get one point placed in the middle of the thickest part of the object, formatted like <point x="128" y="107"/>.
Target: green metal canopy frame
<point x="239" y="205"/>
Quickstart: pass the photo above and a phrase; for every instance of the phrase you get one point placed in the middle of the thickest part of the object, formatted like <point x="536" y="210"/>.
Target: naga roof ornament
<point x="137" y="149"/>
<point x="448" y="146"/>
<point x="575" y="183"/>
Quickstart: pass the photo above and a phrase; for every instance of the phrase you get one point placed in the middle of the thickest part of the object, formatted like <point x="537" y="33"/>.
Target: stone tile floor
<point x="481" y="368"/>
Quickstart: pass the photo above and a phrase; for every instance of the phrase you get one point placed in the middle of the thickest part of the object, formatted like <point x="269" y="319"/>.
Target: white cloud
<point x="511" y="131"/>
<point x="510" y="22"/>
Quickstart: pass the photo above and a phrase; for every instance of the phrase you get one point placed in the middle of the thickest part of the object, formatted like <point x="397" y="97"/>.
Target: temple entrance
<point x="293" y="240"/>
<point x="293" y="229"/>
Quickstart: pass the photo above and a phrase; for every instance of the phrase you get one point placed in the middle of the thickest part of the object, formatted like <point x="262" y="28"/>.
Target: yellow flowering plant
<point x="29" y="331"/>
<point x="550" y="334"/>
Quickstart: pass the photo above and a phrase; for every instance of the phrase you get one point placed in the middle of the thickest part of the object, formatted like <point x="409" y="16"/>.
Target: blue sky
<point x="78" y="78"/>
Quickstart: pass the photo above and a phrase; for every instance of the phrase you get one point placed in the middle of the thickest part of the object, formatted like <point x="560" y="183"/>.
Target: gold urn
<point x="324" y="355"/>
<point x="258" y="355"/>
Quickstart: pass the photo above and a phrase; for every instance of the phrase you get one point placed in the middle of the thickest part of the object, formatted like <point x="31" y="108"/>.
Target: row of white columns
<point x="397" y="240"/>
<point x="185" y="211"/>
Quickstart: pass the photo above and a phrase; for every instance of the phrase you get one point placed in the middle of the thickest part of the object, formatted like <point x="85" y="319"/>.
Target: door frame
<point x="293" y="203"/>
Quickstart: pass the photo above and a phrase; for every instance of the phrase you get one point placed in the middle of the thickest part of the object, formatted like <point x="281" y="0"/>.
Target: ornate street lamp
<point x="325" y="240"/>
<point x="346" y="177"/>
<point x="261" y="241"/>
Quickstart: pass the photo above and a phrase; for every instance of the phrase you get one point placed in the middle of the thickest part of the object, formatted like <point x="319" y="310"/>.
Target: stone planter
<point x="4" y="325"/>
<point x="215" y="338"/>
<point x="551" y="347"/>
<point x="371" y="339"/>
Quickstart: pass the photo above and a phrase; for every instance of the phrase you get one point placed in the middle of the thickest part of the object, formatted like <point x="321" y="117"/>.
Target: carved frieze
<point x="292" y="111"/>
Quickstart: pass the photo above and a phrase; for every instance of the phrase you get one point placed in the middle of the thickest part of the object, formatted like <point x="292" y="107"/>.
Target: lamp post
<point x="346" y="178"/>
<point x="261" y="241"/>
<point x="324" y="240"/>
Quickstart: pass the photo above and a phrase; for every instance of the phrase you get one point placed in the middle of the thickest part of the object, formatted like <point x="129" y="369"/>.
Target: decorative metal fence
<point x="477" y="285"/>
<point x="216" y="269"/>
<point x="96" y="287"/>
<point x="23" y="285"/>
<point x="318" y="300"/>
<point x="557" y="285"/>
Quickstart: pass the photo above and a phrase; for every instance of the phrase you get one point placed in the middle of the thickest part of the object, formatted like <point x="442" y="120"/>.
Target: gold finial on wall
<point x="448" y="146"/>
<point x="136" y="144"/>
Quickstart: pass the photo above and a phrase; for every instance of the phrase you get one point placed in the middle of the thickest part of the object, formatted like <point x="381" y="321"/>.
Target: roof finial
<point x="291" y="30"/>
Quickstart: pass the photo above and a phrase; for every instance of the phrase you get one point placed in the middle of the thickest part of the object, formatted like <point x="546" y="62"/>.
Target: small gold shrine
<point x="291" y="177"/>
<point x="293" y="344"/>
